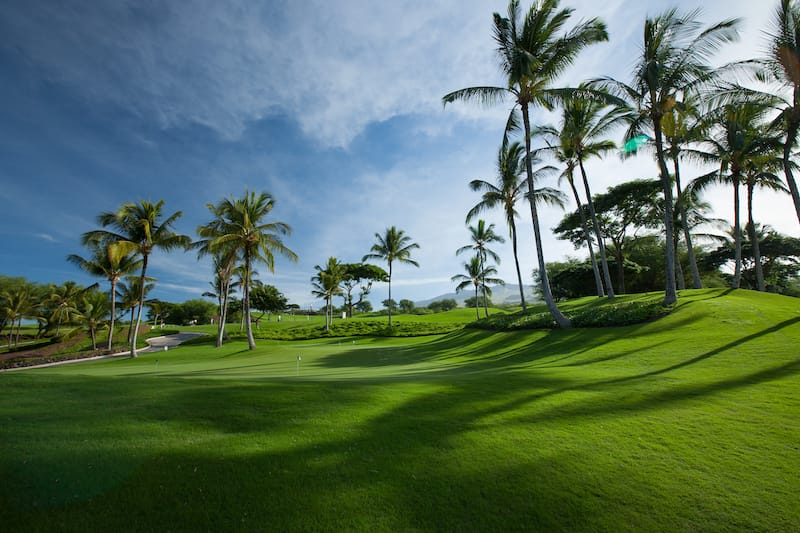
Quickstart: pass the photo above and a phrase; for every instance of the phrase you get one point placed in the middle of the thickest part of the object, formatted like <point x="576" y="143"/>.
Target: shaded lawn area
<point x="688" y="423"/>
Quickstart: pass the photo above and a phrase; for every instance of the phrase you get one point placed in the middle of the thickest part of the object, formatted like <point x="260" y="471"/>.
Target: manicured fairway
<point x="691" y="422"/>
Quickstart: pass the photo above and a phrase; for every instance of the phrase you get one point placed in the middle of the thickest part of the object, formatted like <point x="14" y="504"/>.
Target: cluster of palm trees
<point x="676" y="105"/>
<point x="337" y="278"/>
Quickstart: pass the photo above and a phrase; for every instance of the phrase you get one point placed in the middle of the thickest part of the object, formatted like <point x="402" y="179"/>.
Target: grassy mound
<point x="690" y="422"/>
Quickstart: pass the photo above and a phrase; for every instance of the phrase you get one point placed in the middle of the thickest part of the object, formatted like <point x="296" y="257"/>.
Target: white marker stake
<point x="298" y="364"/>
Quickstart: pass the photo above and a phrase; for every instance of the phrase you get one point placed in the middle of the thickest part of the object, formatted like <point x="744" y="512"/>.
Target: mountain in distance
<point x="501" y="295"/>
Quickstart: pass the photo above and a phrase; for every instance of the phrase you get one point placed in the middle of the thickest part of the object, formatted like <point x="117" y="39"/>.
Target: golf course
<point x="690" y="422"/>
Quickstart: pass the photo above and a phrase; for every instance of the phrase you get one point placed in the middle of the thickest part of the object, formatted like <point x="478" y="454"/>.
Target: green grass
<point x="691" y="422"/>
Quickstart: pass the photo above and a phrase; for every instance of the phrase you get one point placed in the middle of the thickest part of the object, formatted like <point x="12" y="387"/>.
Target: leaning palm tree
<point x="144" y="226"/>
<point x="325" y="285"/>
<point x="112" y="261"/>
<point x="482" y="236"/>
<point x="675" y="61"/>
<point x="239" y="224"/>
<point x="782" y="65"/>
<point x="510" y="187"/>
<point x="393" y="245"/>
<point x="477" y="275"/>
<point x="532" y="55"/>
<point x="584" y="121"/>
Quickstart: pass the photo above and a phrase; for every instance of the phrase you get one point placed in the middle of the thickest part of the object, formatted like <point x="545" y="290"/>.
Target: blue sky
<point x="332" y="107"/>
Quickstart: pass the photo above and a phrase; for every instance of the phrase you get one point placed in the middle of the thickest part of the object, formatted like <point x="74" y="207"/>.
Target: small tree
<point x="267" y="299"/>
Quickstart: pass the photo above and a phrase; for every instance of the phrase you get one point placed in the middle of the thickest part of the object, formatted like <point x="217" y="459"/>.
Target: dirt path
<point x="156" y="344"/>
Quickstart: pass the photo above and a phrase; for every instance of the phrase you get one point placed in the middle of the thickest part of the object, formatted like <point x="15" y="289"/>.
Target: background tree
<point x="393" y="246"/>
<point x="445" y="304"/>
<point x="406" y="306"/>
<point x="112" y="261"/>
<point x="325" y="284"/>
<point x="93" y="310"/>
<point x="267" y="299"/>
<point x="360" y="275"/>
<point x="389" y="304"/>
<point x="145" y="228"/>
<point x="508" y="189"/>
<point x="478" y="275"/>
<point x="239" y="224"/>
<point x="482" y="236"/>
<point x="532" y="55"/>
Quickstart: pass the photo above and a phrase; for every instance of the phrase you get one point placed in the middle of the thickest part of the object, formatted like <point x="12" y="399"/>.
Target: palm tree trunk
<point x="670" y="292"/>
<point x="600" y="246"/>
<point x="251" y="342"/>
<point x="598" y="282"/>
<point x="483" y="287"/>
<point x="516" y="263"/>
<point x="560" y="319"/>
<point x="113" y="310"/>
<point x="390" y="295"/>
<point x="94" y="338"/>
<point x="477" y="307"/>
<point x="687" y="234"/>
<point x="794" y="124"/>
<point x="737" y="235"/>
<point x="679" y="280"/>
<point x="620" y="267"/>
<point x="751" y="226"/>
<point x="135" y="334"/>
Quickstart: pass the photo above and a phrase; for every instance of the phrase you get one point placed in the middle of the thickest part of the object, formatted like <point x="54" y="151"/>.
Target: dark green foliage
<point x="359" y="328"/>
<point x="445" y="304"/>
<point x="191" y="311"/>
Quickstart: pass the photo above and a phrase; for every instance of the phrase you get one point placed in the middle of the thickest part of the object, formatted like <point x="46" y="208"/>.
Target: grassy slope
<point x="690" y="422"/>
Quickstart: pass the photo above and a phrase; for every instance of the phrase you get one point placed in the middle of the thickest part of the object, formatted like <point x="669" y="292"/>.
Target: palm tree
<point x="674" y="62"/>
<point x="738" y="141"/>
<point x="508" y="188"/>
<point x="143" y="226"/>
<point x="683" y="126"/>
<point x="132" y="295"/>
<point x="239" y="224"/>
<point x="477" y="275"/>
<point x="532" y="55"/>
<point x="393" y="245"/>
<point x="583" y="121"/>
<point x="112" y="261"/>
<point x="18" y="304"/>
<point x="224" y="261"/>
<point x="64" y="301"/>
<point x="93" y="311"/>
<point x="782" y="65"/>
<point x="325" y="284"/>
<point x="759" y="173"/>
<point x="481" y="236"/>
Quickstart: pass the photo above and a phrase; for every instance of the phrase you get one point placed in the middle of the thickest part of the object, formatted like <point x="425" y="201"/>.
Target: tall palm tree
<point x="482" y="236"/>
<point x="325" y="284"/>
<point x="112" y="261"/>
<point x="683" y="126"/>
<point x="477" y="275"/>
<point x="18" y="303"/>
<point x="239" y="224"/>
<point x="509" y="187"/>
<point x="144" y="226"/>
<point x="224" y="261"/>
<point x="584" y="121"/>
<point x="760" y="173"/>
<point x="736" y="144"/>
<point x="674" y="61"/>
<point x="393" y="245"/>
<point x="532" y="55"/>
<point x="782" y="65"/>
